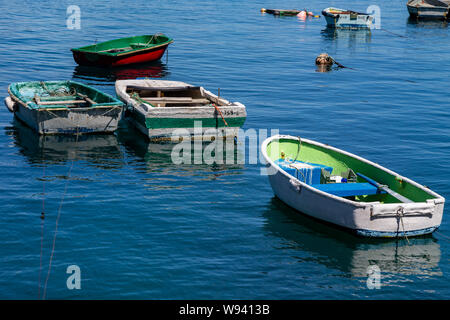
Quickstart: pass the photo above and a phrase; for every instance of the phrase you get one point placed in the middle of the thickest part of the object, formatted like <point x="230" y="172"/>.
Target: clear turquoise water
<point x="140" y="227"/>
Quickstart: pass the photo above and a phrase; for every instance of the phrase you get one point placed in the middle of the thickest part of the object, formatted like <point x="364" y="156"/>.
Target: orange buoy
<point x="302" y="15"/>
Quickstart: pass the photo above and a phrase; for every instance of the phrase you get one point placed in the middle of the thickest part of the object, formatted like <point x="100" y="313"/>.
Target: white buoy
<point x="10" y="104"/>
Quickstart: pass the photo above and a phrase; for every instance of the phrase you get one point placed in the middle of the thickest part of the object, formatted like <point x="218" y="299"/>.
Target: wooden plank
<point x="176" y="100"/>
<point x="165" y="99"/>
<point x="49" y="103"/>
<point x="162" y="89"/>
<point x="85" y="97"/>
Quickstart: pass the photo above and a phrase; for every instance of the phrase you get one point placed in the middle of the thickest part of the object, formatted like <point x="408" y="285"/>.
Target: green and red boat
<point x="123" y="51"/>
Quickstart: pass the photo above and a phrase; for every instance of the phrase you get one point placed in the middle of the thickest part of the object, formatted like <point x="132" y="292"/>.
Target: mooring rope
<point x="400" y="214"/>
<point x="393" y="33"/>
<point x="57" y="220"/>
<point x="446" y="238"/>
<point x="42" y="227"/>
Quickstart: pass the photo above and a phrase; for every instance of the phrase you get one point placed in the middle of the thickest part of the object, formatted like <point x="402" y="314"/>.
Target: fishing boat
<point x="346" y="190"/>
<point x="63" y="107"/>
<point x="428" y="9"/>
<point x="159" y="107"/>
<point x="123" y="51"/>
<point x="341" y="18"/>
<point x="281" y="12"/>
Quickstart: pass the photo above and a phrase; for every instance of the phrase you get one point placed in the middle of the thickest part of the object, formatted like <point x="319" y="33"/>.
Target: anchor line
<point x="400" y="213"/>
<point x="445" y="237"/>
<point x="393" y="33"/>
<point x="57" y="220"/>
<point x="42" y="228"/>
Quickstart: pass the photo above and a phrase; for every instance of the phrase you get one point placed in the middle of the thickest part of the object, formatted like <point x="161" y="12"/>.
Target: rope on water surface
<point x="42" y="227"/>
<point x="57" y="221"/>
<point x="446" y="238"/>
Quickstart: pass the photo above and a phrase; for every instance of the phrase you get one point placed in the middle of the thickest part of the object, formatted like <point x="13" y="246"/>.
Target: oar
<point x="385" y="188"/>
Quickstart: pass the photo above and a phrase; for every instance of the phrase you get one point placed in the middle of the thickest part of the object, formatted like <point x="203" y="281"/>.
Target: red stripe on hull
<point x="93" y="59"/>
<point x="140" y="58"/>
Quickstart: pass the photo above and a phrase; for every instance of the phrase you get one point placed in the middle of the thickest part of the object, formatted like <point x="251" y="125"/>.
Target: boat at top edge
<point x="63" y="107"/>
<point x="429" y="9"/>
<point x="161" y="108"/>
<point x="123" y="51"/>
<point x="347" y="19"/>
<point x="282" y="12"/>
<point x="349" y="191"/>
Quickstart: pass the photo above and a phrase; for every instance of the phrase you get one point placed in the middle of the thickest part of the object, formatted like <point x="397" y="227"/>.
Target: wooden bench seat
<point x="348" y="189"/>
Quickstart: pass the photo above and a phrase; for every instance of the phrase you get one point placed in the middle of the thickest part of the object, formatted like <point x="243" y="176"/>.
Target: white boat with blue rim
<point x="347" y="19"/>
<point x="343" y="189"/>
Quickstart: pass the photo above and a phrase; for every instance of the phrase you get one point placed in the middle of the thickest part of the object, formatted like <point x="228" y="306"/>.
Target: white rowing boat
<point x="349" y="191"/>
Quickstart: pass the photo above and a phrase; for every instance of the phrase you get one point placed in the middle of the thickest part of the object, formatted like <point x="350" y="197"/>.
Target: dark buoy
<point x="324" y="63"/>
<point x="324" y="59"/>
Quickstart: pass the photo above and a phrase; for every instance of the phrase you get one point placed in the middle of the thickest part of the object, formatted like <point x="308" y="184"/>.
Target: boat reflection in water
<point x="347" y="36"/>
<point x="338" y="249"/>
<point x="427" y="24"/>
<point x="155" y="69"/>
<point x="102" y="150"/>
<point x="165" y="157"/>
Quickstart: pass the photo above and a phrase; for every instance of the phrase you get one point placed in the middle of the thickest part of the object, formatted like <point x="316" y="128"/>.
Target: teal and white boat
<point x="63" y="107"/>
<point x="163" y="110"/>
<point x="349" y="191"/>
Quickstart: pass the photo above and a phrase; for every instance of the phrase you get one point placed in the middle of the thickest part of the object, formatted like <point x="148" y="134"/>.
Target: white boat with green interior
<point x="349" y="191"/>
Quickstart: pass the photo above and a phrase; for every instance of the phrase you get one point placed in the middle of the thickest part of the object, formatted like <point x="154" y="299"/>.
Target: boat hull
<point x="95" y="59"/>
<point x="428" y="13"/>
<point x="370" y="219"/>
<point x="101" y="115"/>
<point x="347" y="20"/>
<point x="73" y="121"/>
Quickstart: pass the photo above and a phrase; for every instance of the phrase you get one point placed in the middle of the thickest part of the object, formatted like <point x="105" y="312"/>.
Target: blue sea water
<point x="141" y="227"/>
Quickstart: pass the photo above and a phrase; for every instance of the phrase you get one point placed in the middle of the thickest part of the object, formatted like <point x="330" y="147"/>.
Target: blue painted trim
<point x="383" y="234"/>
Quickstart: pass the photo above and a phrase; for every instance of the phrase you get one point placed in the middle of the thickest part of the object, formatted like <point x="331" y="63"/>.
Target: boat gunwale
<point x="121" y="87"/>
<point x="121" y="54"/>
<point x="437" y="200"/>
<point x="326" y="12"/>
<point x="33" y="106"/>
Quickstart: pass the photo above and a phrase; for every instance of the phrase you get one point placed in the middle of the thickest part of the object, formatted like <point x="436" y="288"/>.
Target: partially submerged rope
<point x="400" y="214"/>
<point x="57" y="221"/>
<point x="42" y="230"/>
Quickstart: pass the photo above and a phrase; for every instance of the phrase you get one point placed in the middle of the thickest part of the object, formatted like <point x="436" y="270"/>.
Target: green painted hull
<point x="123" y="51"/>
